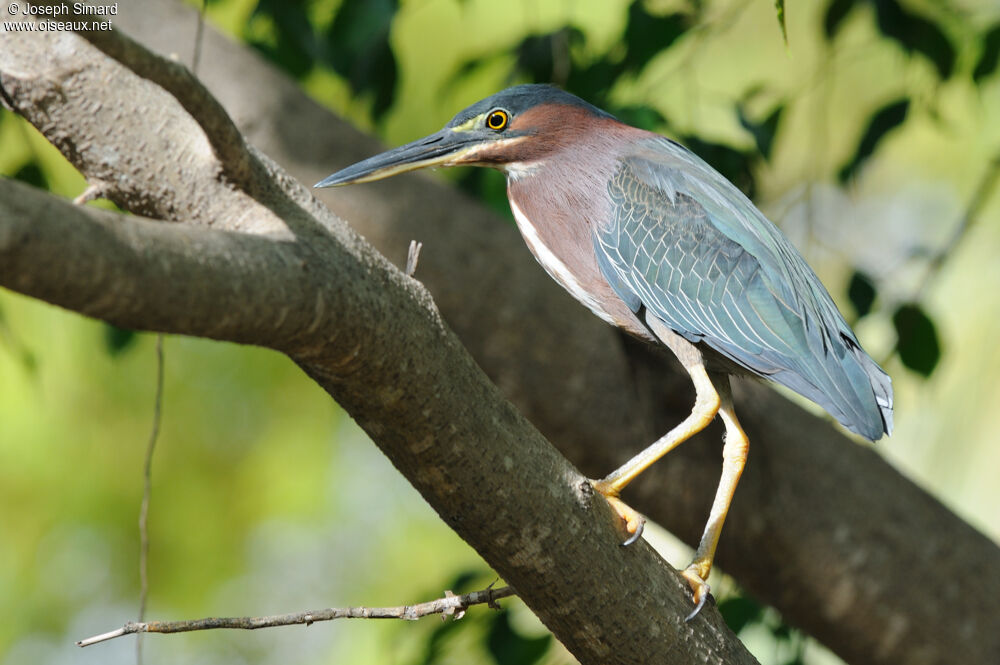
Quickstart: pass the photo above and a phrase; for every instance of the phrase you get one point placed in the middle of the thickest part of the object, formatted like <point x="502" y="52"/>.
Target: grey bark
<point x="821" y="528"/>
<point x="278" y="269"/>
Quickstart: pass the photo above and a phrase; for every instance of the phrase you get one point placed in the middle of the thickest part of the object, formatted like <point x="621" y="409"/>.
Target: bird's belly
<point x="561" y="273"/>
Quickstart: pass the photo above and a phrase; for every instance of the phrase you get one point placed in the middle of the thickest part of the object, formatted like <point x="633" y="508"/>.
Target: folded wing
<point x="685" y="244"/>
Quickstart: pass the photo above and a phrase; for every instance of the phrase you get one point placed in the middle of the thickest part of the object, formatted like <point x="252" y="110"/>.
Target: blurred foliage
<point x="914" y="32"/>
<point x="883" y="121"/>
<point x="118" y="340"/>
<point x="779" y="8"/>
<point x="556" y="57"/>
<point x="358" y="49"/>
<point x="498" y="637"/>
<point x="740" y="612"/>
<point x="836" y="12"/>
<point x="509" y="647"/>
<point x="355" y="44"/>
<point x="743" y="613"/>
<point x="990" y="55"/>
<point x="916" y="338"/>
<point x="13" y="345"/>
<point x="291" y="43"/>
<point x="256" y="466"/>
<point x="763" y="130"/>
<point x="32" y="174"/>
<point x="861" y="292"/>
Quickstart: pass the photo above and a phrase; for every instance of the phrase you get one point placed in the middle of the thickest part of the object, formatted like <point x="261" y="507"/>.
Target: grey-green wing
<point x="685" y="244"/>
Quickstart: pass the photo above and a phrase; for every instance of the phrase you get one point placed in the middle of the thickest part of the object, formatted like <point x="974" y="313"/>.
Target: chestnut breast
<point x="558" y="191"/>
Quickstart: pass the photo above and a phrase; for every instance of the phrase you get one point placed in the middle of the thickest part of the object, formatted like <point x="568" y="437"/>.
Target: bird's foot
<point x="634" y="522"/>
<point x="699" y="587"/>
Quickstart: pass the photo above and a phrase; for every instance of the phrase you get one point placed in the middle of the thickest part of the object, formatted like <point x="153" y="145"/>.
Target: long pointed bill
<point x="444" y="148"/>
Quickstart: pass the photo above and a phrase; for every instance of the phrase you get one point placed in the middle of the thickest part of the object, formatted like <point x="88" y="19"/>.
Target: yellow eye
<point x="497" y="120"/>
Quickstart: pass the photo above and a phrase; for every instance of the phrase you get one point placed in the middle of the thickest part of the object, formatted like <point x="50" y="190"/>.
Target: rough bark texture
<point x="821" y="528"/>
<point x="279" y="270"/>
<point x="373" y="339"/>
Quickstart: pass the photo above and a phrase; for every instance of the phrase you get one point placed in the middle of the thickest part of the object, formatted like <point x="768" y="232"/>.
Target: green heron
<point x="655" y="241"/>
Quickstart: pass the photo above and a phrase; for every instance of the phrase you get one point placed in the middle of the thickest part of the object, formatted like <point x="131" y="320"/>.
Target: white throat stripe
<point x="553" y="265"/>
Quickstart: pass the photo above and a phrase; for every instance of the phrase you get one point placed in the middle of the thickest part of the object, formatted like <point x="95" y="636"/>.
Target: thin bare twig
<point x="412" y="256"/>
<point x="449" y="605"/>
<point x="92" y="192"/>
<point x="198" y="38"/>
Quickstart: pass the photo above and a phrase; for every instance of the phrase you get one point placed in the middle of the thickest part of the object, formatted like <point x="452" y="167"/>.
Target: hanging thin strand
<point x="147" y="473"/>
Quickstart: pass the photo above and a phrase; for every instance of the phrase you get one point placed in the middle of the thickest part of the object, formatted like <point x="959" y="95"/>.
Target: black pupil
<point x="496" y="120"/>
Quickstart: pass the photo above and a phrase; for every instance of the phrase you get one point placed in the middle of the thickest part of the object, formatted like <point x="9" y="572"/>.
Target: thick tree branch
<point x="390" y="361"/>
<point x="373" y="339"/>
<point x="177" y="80"/>
<point x="821" y="528"/>
<point x="139" y="273"/>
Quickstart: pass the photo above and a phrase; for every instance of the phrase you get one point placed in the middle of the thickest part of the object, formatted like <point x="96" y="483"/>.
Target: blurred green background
<point x="872" y="138"/>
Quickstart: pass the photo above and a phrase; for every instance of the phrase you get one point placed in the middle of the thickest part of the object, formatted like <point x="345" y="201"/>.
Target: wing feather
<point x="689" y="247"/>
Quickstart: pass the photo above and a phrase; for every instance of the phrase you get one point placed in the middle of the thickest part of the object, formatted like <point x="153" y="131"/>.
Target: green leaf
<point x="861" y="291"/>
<point x="739" y="612"/>
<point x="641" y="116"/>
<point x="763" y="132"/>
<point x="118" y="340"/>
<point x="647" y="35"/>
<point x="782" y="632"/>
<point x="543" y="57"/>
<point x="594" y="81"/>
<point x="916" y="339"/>
<point x="435" y="647"/>
<point x="462" y="580"/>
<point x="990" y="56"/>
<point x="916" y="33"/>
<point x="885" y="120"/>
<point x="357" y="46"/>
<point x="509" y="647"/>
<point x="32" y="174"/>
<point x="440" y="642"/>
<point x="779" y="9"/>
<point x="292" y="46"/>
<point x="467" y="69"/>
<point x="836" y="12"/>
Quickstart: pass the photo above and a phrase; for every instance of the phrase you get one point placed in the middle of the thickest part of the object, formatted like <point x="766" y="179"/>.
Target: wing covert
<point x="663" y="251"/>
<point x="680" y="243"/>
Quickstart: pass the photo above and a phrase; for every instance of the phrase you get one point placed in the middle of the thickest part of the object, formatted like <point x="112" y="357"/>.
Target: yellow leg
<point x="734" y="456"/>
<point x="705" y="407"/>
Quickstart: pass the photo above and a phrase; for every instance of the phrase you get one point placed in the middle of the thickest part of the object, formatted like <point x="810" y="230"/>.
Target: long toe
<point x="699" y="588"/>
<point x="633" y="521"/>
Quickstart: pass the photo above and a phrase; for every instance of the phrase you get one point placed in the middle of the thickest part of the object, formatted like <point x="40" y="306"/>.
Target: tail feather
<point x="848" y="384"/>
<point x="881" y="386"/>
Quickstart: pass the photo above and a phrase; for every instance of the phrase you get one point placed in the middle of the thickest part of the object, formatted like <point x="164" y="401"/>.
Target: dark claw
<point x="697" y="608"/>
<point x="635" y="536"/>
